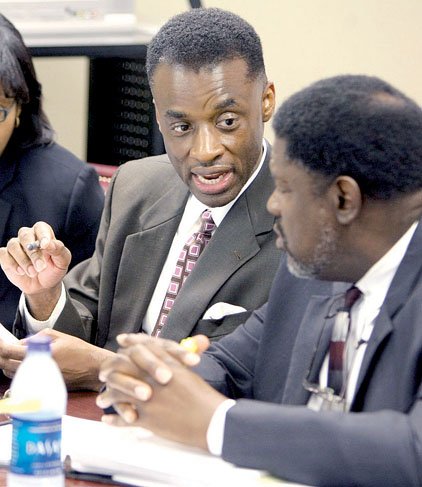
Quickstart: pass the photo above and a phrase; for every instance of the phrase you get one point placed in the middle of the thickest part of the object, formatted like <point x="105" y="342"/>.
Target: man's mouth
<point x="281" y="239"/>
<point x="212" y="182"/>
<point x="211" y="179"/>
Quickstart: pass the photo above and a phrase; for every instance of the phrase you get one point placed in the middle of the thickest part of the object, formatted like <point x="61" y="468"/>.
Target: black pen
<point x="71" y="473"/>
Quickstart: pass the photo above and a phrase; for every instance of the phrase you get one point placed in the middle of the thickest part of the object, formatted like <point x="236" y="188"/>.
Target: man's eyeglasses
<point x="4" y="112"/>
<point x="328" y="400"/>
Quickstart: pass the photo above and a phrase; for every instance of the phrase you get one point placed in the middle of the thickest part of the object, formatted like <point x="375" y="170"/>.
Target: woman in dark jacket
<point x="39" y="179"/>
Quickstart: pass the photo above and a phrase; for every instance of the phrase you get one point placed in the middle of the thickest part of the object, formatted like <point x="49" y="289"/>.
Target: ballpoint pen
<point x="36" y="245"/>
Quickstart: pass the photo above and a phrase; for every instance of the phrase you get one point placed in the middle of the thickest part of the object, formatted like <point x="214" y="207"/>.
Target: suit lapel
<point x="401" y="287"/>
<point x="158" y="226"/>
<point x="232" y="245"/>
<point x="311" y="344"/>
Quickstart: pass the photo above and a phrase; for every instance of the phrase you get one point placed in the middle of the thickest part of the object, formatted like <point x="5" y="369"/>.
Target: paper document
<point x="137" y="457"/>
<point x="6" y="336"/>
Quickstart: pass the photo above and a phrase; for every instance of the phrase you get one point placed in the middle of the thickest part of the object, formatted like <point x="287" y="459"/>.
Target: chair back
<point x="105" y="172"/>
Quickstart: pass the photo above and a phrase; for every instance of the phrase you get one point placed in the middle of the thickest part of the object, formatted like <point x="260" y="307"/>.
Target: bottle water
<point x="36" y="439"/>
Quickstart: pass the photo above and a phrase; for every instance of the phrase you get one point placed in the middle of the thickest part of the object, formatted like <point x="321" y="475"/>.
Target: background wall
<point x="303" y="40"/>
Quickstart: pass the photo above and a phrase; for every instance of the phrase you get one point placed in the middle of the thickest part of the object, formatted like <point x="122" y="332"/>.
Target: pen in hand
<point x="36" y="245"/>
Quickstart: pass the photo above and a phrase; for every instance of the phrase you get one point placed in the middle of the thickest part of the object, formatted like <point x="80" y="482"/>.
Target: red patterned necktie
<point x="337" y="373"/>
<point x="185" y="263"/>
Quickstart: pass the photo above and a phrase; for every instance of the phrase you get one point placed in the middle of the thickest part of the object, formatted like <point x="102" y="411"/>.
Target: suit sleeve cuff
<point x="215" y="432"/>
<point x="34" y="326"/>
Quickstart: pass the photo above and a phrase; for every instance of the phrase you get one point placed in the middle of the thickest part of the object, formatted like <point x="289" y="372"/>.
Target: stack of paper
<point x="137" y="457"/>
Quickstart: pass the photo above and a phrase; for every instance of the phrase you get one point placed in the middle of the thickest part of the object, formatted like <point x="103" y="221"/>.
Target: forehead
<point x="279" y="161"/>
<point x="211" y="86"/>
<point x="288" y="170"/>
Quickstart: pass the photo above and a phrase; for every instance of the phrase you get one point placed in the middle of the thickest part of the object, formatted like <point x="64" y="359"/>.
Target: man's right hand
<point x="38" y="273"/>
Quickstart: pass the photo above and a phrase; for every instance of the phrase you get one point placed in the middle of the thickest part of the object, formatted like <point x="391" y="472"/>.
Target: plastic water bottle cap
<point x="39" y="343"/>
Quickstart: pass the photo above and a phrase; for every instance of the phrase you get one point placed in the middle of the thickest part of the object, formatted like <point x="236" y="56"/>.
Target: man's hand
<point x="178" y="406"/>
<point x="152" y="354"/>
<point x="38" y="272"/>
<point x="78" y="360"/>
<point x="11" y="355"/>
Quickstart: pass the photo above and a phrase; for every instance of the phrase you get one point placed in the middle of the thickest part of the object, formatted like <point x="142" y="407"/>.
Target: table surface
<point x="80" y="405"/>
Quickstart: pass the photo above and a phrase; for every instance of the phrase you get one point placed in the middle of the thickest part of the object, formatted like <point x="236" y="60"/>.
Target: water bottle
<point x="36" y="439"/>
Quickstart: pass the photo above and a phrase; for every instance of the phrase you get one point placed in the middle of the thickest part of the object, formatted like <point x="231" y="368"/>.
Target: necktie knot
<point x="207" y="223"/>
<point x="338" y="369"/>
<point x="351" y="296"/>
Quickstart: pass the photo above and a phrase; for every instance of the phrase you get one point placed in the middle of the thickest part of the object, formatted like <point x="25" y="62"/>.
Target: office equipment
<point x="121" y="119"/>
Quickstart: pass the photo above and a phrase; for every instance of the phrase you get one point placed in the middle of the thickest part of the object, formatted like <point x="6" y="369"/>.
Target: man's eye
<point x="181" y="128"/>
<point x="228" y="122"/>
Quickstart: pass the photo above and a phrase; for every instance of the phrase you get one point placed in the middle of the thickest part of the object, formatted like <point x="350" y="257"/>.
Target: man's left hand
<point x="179" y="410"/>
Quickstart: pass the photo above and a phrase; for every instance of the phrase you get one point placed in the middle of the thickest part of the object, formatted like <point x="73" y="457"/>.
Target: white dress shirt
<point x="190" y="223"/>
<point x="374" y="286"/>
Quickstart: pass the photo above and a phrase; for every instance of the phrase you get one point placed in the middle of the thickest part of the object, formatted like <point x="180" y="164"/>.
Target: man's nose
<point x="206" y="146"/>
<point x="273" y="206"/>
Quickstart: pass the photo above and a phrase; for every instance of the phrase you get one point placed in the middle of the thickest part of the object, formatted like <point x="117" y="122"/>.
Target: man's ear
<point x="268" y="101"/>
<point x="346" y="198"/>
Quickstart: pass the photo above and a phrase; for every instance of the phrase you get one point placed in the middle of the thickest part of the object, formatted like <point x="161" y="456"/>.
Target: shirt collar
<point x="377" y="280"/>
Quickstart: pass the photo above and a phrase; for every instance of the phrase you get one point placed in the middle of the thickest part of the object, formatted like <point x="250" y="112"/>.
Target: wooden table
<point x="80" y="405"/>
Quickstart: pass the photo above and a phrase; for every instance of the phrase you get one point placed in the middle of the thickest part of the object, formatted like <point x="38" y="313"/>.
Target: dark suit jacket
<point x="144" y="206"/>
<point x="379" y="443"/>
<point x="47" y="183"/>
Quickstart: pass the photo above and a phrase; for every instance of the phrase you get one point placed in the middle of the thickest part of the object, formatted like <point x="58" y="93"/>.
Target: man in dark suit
<point x="339" y="402"/>
<point x="212" y="99"/>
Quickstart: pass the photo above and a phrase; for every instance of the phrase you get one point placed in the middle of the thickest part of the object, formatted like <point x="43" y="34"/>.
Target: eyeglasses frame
<point x="5" y="112"/>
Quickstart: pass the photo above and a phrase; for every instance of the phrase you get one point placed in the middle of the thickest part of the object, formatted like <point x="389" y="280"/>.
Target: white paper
<point x="138" y="457"/>
<point x="6" y="336"/>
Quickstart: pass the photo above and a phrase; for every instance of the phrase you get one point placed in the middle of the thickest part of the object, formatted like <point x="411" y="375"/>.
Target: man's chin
<point x="213" y="200"/>
<point x="299" y="270"/>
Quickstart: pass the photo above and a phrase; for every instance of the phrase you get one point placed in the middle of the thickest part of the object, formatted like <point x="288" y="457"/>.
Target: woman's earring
<point x="17" y="121"/>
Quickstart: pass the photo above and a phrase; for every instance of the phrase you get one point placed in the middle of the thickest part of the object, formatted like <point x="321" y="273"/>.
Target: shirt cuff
<point x="215" y="432"/>
<point x="34" y="326"/>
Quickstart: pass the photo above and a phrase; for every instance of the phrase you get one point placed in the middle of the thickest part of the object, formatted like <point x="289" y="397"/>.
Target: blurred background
<point x="303" y="40"/>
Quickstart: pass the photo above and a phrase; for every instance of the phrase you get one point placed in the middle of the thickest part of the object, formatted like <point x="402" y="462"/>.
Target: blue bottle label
<point x="36" y="447"/>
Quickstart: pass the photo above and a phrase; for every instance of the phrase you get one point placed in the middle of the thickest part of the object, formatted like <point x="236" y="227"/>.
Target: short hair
<point x="358" y="126"/>
<point x="18" y="80"/>
<point x="204" y="37"/>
